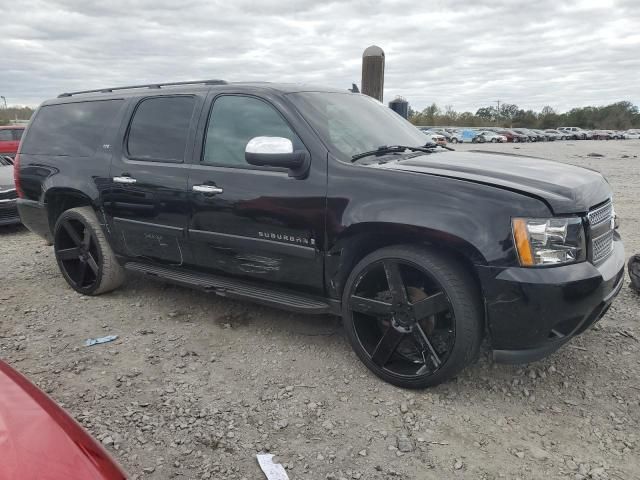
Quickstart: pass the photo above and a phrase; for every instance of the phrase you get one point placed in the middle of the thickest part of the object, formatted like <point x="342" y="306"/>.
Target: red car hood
<point x="39" y="440"/>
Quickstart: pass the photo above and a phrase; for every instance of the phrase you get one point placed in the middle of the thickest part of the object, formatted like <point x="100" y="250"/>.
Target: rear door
<point x="256" y="222"/>
<point x="147" y="198"/>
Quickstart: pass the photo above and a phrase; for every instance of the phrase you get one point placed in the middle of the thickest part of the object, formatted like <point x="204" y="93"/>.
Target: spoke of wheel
<point x="72" y="233"/>
<point x="86" y="240"/>
<point x="396" y="283"/>
<point x="386" y="346"/>
<point x="92" y="263"/>
<point x="69" y="253"/>
<point x="430" y="306"/>
<point x="424" y="341"/>
<point x="82" y="273"/>
<point x="369" y="306"/>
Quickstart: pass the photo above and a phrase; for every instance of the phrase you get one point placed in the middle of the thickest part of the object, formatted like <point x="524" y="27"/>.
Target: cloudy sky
<point x="462" y="53"/>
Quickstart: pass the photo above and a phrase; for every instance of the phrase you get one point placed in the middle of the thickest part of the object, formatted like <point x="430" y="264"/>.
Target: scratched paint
<point x="258" y="264"/>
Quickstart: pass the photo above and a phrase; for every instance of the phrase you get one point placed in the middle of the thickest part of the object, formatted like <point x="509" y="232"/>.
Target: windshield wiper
<point x="386" y="149"/>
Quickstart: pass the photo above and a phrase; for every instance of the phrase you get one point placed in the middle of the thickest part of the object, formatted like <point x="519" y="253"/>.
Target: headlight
<point x="549" y="241"/>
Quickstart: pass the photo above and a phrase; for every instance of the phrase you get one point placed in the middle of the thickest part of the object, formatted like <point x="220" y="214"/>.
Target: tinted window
<point x="74" y="129"/>
<point x="160" y="128"/>
<point x="234" y="120"/>
<point x="17" y="133"/>
<point x="5" y="135"/>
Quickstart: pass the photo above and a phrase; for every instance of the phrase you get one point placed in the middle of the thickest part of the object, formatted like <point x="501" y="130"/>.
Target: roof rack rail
<point x="149" y="85"/>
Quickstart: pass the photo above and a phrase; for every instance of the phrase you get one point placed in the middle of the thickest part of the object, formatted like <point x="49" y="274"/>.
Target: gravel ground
<point x="196" y="385"/>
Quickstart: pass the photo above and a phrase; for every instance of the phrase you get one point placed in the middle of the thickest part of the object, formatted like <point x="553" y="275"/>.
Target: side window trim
<point x="192" y="123"/>
<point x="208" y="114"/>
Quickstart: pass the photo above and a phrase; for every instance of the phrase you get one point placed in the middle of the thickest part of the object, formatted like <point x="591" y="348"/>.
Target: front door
<point x="255" y="222"/>
<point x="146" y="201"/>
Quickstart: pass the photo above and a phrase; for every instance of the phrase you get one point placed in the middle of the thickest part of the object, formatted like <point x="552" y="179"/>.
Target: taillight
<point x="16" y="176"/>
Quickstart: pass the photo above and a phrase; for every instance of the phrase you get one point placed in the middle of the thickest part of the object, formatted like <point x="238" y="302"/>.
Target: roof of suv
<point x="12" y="127"/>
<point x="191" y="86"/>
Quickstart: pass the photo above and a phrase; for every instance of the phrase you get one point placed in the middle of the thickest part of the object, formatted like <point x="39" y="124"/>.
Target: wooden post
<point x="373" y="72"/>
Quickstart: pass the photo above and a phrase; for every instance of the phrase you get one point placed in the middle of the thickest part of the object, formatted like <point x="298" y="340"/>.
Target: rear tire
<point x="84" y="255"/>
<point x="454" y="140"/>
<point x="413" y="316"/>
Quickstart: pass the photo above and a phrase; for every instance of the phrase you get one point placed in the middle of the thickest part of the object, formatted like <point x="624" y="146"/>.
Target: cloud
<point x="461" y="53"/>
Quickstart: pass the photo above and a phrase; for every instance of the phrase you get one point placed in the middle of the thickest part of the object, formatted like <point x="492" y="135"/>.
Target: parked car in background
<point x="10" y="136"/>
<point x="513" y="136"/>
<point x="8" y="197"/>
<point x="463" y="135"/>
<point x="602" y="135"/>
<point x="542" y="134"/>
<point x="39" y="440"/>
<point x="431" y="133"/>
<point x="443" y="132"/>
<point x="560" y="135"/>
<point x="577" y="133"/>
<point x="435" y="138"/>
<point x="632" y="134"/>
<point x="485" y="136"/>
<point x="531" y="135"/>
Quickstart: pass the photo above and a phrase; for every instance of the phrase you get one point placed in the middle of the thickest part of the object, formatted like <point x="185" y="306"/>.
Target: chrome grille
<point x="602" y="246"/>
<point x="601" y="225"/>
<point x="601" y="214"/>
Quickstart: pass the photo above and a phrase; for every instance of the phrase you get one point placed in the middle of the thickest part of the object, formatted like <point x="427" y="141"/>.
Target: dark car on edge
<point x="8" y="196"/>
<point x="323" y="201"/>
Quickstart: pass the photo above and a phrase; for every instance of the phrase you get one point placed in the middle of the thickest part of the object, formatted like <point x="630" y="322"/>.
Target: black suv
<point x="323" y="202"/>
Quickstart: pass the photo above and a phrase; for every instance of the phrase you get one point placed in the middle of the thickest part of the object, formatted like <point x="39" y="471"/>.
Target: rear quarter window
<point x="70" y="129"/>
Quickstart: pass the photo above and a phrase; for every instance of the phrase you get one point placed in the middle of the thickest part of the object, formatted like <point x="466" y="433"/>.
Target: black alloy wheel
<point x="402" y="321"/>
<point x="77" y="253"/>
<point x="84" y="255"/>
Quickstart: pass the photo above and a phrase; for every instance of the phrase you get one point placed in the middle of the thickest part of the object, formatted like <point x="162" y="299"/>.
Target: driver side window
<point x="236" y="119"/>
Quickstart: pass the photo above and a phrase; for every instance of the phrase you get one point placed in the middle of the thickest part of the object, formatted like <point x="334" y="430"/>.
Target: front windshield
<point x="352" y="123"/>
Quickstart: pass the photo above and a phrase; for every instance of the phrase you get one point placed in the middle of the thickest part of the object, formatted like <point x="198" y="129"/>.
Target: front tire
<point x="413" y="316"/>
<point x="454" y="140"/>
<point x="84" y="255"/>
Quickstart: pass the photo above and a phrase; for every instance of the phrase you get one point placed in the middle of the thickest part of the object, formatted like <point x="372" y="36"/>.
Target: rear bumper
<point x="9" y="212"/>
<point x="533" y="312"/>
<point x="34" y="216"/>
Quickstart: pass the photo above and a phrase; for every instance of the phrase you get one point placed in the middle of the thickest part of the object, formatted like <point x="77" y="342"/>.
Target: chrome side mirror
<point x="277" y="152"/>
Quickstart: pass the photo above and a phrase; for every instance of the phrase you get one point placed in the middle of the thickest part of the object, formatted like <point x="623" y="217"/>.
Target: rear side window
<point x="71" y="129"/>
<point x="160" y="128"/>
<point x="17" y="133"/>
<point x="5" y="136"/>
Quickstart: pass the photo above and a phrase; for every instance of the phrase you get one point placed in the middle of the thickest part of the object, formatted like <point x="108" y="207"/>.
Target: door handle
<point x="210" y="189"/>
<point x="127" y="180"/>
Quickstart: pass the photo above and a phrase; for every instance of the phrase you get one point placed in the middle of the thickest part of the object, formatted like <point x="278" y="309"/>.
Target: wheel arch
<point x="60" y="199"/>
<point x="361" y="239"/>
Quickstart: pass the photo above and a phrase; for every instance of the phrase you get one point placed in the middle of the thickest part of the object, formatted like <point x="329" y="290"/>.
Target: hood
<point x="565" y="188"/>
<point x="39" y="440"/>
<point x="6" y="177"/>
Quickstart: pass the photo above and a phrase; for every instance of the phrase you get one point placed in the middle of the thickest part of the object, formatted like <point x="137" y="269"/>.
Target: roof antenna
<point x="354" y="88"/>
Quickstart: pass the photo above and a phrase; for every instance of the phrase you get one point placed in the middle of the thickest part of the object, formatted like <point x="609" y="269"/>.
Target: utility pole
<point x="498" y="110"/>
<point x="5" y="101"/>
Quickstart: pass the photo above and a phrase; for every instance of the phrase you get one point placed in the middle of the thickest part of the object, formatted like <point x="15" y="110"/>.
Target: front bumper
<point x="531" y="312"/>
<point x="9" y="212"/>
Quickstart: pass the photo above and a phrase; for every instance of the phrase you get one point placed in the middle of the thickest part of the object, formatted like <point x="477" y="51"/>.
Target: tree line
<point x="14" y="113"/>
<point x="617" y="116"/>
